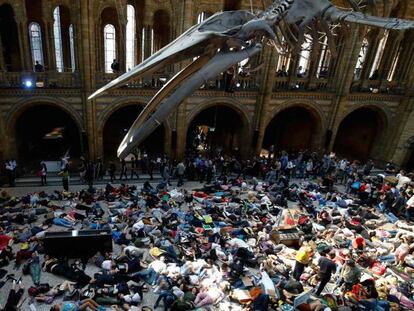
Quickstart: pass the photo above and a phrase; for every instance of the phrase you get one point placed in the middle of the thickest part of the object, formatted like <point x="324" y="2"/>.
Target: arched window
<point x="109" y="46"/>
<point x="284" y="60"/>
<point x="130" y="37"/>
<point x="35" y="35"/>
<point x="152" y="41"/>
<point x="304" y="56"/>
<point x="361" y="59"/>
<point x="391" y="73"/>
<point x="203" y="16"/>
<point x="57" y="33"/>
<point x="324" y="60"/>
<point x="378" y="56"/>
<point x="72" y="48"/>
<point x="143" y="45"/>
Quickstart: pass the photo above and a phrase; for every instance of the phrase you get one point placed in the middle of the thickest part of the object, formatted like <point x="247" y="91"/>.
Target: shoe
<point x="10" y="277"/>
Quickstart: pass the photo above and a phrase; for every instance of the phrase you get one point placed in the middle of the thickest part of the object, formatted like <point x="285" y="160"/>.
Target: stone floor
<point x="149" y="297"/>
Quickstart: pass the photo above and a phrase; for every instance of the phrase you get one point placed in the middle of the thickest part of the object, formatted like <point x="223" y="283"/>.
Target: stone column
<point x="314" y="62"/>
<point x="181" y="129"/>
<point x="270" y="57"/>
<point x="24" y="44"/>
<point x="147" y="40"/>
<point x="391" y="51"/>
<point x="344" y="75"/>
<point x="374" y="40"/>
<point x="50" y="61"/>
<point x="406" y="60"/>
<point x="86" y="41"/>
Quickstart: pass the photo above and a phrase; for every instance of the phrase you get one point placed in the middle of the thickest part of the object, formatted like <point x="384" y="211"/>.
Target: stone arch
<point x="243" y="131"/>
<point x="30" y="119"/>
<point x="110" y="110"/>
<point x="310" y="111"/>
<point x="311" y="106"/>
<point x="363" y="130"/>
<point x="383" y="111"/>
<point x="13" y="4"/>
<point x="9" y="36"/>
<point x="51" y="5"/>
<point x="408" y="162"/>
<point x="223" y="101"/>
<point x="21" y="106"/>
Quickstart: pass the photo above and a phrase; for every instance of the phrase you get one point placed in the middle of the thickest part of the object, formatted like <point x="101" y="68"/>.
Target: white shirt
<point x="402" y="180"/>
<point x="158" y="266"/>
<point x="107" y="265"/>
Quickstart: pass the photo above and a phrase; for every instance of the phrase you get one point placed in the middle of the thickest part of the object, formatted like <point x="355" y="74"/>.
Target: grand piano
<point x="77" y="243"/>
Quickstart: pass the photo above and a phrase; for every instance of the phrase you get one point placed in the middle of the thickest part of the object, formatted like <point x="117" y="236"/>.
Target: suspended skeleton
<point x="224" y="40"/>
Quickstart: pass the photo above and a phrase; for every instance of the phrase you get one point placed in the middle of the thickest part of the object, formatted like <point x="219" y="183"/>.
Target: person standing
<point x="90" y="174"/>
<point x="180" y="174"/>
<point x="99" y="169"/>
<point x="65" y="177"/>
<point x="166" y="174"/>
<point x="309" y="168"/>
<point x="326" y="268"/>
<point x="123" y="170"/>
<point x="43" y="173"/>
<point x="10" y="174"/>
<point x="134" y="168"/>
<point x="303" y="257"/>
<point x="350" y="275"/>
<point x="368" y="167"/>
<point x="151" y="165"/>
<point x="82" y="169"/>
<point x="112" y="170"/>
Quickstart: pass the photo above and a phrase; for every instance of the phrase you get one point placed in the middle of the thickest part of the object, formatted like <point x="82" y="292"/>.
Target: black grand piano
<point x="77" y="243"/>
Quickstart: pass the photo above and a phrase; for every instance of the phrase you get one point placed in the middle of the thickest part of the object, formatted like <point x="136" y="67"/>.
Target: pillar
<point x="24" y="44"/>
<point x="86" y="43"/>
<point x="264" y="97"/>
<point x="344" y="75"/>
<point x="50" y="45"/>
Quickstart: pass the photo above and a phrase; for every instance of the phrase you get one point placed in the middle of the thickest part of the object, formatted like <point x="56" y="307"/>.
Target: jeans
<point x="376" y="304"/>
<point x="62" y="222"/>
<point x="180" y="180"/>
<point x="164" y="295"/>
<point x="324" y="280"/>
<point x="391" y="217"/>
<point x="148" y="275"/>
<point x="409" y="214"/>
<point x="387" y="258"/>
<point x="298" y="270"/>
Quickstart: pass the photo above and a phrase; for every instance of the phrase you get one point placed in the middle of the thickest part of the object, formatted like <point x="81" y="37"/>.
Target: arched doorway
<point x="118" y="124"/>
<point x="46" y="133"/>
<point x="217" y="129"/>
<point x="9" y="39"/>
<point x="358" y="133"/>
<point x="410" y="162"/>
<point x="292" y="129"/>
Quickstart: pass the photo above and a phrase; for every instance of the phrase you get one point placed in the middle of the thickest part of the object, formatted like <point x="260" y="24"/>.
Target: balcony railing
<point x="300" y="84"/>
<point x="39" y="80"/>
<point x="157" y="80"/>
<point x="377" y="86"/>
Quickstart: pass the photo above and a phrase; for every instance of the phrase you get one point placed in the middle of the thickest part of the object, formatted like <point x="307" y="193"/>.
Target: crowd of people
<point x="285" y="232"/>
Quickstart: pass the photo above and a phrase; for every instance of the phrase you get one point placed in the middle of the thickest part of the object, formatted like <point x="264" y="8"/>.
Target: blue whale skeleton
<point x="226" y="39"/>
